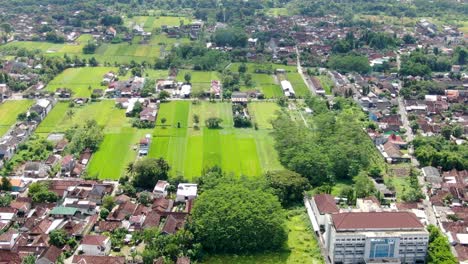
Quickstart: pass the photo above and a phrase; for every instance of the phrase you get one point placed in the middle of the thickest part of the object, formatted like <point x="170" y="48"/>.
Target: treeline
<point x="376" y="40"/>
<point x="420" y="63"/>
<point x="334" y="148"/>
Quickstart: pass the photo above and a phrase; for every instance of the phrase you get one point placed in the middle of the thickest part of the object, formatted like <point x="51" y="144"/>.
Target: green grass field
<point x="298" y="84"/>
<point x="150" y="23"/>
<point x="201" y="80"/>
<point x="302" y="247"/>
<point x="188" y="150"/>
<point x="9" y="111"/>
<point x="116" y="151"/>
<point x="80" y="79"/>
<point x="121" y="53"/>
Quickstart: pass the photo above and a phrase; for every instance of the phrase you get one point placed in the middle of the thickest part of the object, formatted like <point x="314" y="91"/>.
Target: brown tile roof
<point x="108" y="226"/>
<point x="51" y="254"/>
<point x="162" y="204"/>
<point x="173" y="223"/>
<point x="326" y="203"/>
<point x="97" y="240"/>
<point x="376" y="220"/>
<point x="153" y="219"/>
<point x="97" y="260"/>
<point x="6" y="237"/>
<point x="8" y="257"/>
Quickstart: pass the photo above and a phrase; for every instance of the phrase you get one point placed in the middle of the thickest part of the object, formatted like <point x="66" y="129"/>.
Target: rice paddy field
<point x="79" y="80"/>
<point x="9" y="111"/>
<point x="189" y="150"/>
<point x="302" y="247"/>
<point x="123" y="52"/>
<point x="116" y="150"/>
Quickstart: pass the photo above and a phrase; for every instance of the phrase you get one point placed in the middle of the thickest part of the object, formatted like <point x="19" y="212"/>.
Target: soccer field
<point x="188" y="150"/>
<point x="9" y="111"/>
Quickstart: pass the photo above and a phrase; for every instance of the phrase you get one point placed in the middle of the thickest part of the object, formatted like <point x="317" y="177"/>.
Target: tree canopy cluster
<point x="437" y="151"/>
<point x="148" y="171"/>
<point x="439" y="248"/>
<point x="89" y="135"/>
<point x="349" y="63"/>
<point x="238" y="217"/>
<point x="40" y="193"/>
<point x="334" y="148"/>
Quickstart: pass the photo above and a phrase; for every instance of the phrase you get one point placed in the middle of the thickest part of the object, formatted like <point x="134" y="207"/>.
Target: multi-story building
<point x="375" y="237"/>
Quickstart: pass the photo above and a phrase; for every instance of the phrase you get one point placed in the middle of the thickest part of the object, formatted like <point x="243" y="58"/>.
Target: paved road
<point x="306" y="79"/>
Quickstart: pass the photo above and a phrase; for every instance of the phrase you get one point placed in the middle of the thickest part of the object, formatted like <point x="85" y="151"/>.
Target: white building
<point x="160" y="190"/>
<point x="375" y="237"/>
<point x="288" y="90"/>
<point x="95" y="245"/>
<point x="186" y="191"/>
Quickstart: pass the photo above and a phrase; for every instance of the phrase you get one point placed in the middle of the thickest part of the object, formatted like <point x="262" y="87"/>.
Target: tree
<point x="457" y="131"/>
<point x="213" y="122"/>
<point x="104" y="213"/>
<point x="254" y="221"/>
<point x="90" y="48"/>
<point x="89" y="135"/>
<point x="163" y="95"/>
<point x="40" y="193"/>
<point x="187" y="77"/>
<point x="148" y="171"/>
<point x="234" y="37"/>
<point x="163" y="120"/>
<point x="287" y="185"/>
<point x="439" y="248"/>
<point x="108" y="202"/>
<point x="30" y="259"/>
<point x="242" y="68"/>
<point x="70" y="113"/>
<point x="5" y="200"/>
<point x="446" y="132"/>
<point x="414" y="126"/>
<point x="6" y="184"/>
<point x="58" y="238"/>
<point x="363" y="186"/>
<point x="144" y="198"/>
<point x="196" y="118"/>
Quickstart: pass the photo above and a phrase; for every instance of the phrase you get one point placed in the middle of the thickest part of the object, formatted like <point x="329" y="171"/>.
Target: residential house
<point x="42" y="107"/>
<point x="160" y="189"/>
<point x="34" y="169"/>
<point x="95" y="245"/>
<point x="49" y="256"/>
<point x="144" y="146"/>
<point x="148" y="114"/>
<point x="321" y="205"/>
<point x="18" y="184"/>
<point x="186" y="191"/>
<point x="174" y="222"/>
<point x="60" y="146"/>
<point x="8" y="239"/>
<point x="431" y="175"/>
<point x="68" y="163"/>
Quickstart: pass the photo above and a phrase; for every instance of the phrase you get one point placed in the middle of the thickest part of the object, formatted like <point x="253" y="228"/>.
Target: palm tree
<point x="70" y="113"/>
<point x="130" y="168"/>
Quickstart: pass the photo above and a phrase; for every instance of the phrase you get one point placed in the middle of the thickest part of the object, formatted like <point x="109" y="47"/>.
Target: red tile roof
<point x="326" y="203"/>
<point x="376" y="220"/>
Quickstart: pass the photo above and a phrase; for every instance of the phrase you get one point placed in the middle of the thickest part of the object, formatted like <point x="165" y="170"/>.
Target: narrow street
<point x="307" y="81"/>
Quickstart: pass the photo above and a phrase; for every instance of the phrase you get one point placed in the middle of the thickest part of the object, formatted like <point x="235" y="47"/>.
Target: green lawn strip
<point x="266" y="151"/>
<point x="9" y="111"/>
<point x="302" y="247"/>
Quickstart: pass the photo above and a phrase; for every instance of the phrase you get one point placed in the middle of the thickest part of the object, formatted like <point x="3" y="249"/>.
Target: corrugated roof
<point x="376" y="221"/>
<point x="61" y="210"/>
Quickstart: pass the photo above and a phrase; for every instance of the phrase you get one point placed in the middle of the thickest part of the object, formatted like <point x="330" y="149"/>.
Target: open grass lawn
<point x="201" y="80"/>
<point x="275" y="12"/>
<point x="80" y="79"/>
<point x="9" y="111"/>
<point x="150" y="23"/>
<point x="188" y="150"/>
<point x="253" y="67"/>
<point x="263" y="113"/>
<point x="302" y="247"/>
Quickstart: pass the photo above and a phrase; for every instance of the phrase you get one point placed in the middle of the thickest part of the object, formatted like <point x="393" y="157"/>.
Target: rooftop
<point x="376" y="221"/>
